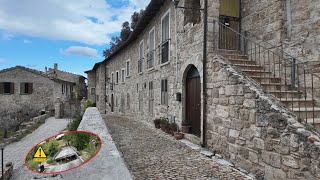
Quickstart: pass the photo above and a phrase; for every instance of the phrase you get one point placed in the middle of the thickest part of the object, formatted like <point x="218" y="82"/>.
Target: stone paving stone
<point x="151" y="154"/>
<point x="16" y="152"/>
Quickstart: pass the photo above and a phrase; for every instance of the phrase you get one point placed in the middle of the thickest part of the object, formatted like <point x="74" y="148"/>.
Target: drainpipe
<point x="204" y="85"/>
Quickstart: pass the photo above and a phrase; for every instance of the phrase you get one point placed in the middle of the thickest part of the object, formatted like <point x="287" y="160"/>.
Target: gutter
<point x="204" y="85"/>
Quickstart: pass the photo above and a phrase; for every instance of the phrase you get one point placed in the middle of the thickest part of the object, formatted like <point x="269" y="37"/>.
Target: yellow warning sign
<point x="40" y="156"/>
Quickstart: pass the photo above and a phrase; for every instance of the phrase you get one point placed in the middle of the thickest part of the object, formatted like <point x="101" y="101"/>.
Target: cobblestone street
<point x="151" y="154"/>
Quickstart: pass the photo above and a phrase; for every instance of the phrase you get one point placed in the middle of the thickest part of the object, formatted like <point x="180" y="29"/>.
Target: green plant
<point x="157" y="122"/>
<point x="88" y="104"/>
<point x="173" y="127"/>
<point x="74" y="124"/>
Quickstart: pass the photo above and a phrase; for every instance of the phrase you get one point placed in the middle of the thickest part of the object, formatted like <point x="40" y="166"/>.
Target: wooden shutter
<point x="1" y="88"/>
<point x="11" y="88"/>
<point x="30" y="88"/>
<point x="22" y="85"/>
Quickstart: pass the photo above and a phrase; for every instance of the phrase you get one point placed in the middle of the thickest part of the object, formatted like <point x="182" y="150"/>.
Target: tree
<point x="135" y="18"/>
<point x="125" y="33"/>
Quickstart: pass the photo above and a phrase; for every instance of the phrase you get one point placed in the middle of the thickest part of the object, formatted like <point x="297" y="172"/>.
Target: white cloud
<point x="66" y="20"/>
<point x="81" y="51"/>
<point x="2" y="60"/>
<point x="26" y="41"/>
<point x="7" y="36"/>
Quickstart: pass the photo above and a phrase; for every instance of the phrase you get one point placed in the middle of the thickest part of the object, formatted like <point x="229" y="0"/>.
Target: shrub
<point x="173" y="127"/>
<point x="88" y="104"/>
<point x="74" y="124"/>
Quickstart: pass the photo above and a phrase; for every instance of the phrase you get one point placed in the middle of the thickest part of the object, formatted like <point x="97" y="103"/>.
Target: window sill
<point x="128" y="76"/>
<point x="122" y="82"/>
<point x="25" y="94"/>
<point x="6" y="94"/>
<point x="151" y="69"/>
<point x="166" y="63"/>
<point x="140" y="73"/>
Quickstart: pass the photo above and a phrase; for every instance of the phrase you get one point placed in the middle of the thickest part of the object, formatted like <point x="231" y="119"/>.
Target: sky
<point x="73" y="33"/>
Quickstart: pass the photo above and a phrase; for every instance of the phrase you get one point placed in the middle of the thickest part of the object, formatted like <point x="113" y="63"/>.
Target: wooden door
<point x="193" y="104"/>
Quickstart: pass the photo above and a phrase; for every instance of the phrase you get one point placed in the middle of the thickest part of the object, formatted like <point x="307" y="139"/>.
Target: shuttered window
<point x="26" y="88"/>
<point x="6" y="88"/>
<point x="165" y="23"/>
<point x="164" y="92"/>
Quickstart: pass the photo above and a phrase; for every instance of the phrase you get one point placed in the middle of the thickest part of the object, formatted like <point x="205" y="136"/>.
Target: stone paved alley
<point x="16" y="152"/>
<point x="151" y="154"/>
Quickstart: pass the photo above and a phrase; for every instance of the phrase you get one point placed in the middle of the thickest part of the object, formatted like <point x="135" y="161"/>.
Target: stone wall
<point x="41" y="98"/>
<point x="254" y="131"/>
<point x="186" y="46"/>
<point x="264" y="19"/>
<point x="303" y="27"/>
<point x="91" y="84"/>
<point x="101" y="88"/>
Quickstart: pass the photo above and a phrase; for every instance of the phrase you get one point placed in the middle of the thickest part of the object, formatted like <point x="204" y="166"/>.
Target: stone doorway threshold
<point x="216" y="157"/>
<point x="193" y="138"/>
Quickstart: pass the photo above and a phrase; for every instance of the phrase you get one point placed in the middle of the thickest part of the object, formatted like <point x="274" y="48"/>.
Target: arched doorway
<point x="193" y="101"/>
<point x="112" y="103"/>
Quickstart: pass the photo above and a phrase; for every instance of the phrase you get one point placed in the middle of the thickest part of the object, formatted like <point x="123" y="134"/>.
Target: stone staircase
<point x="303" y="106"/>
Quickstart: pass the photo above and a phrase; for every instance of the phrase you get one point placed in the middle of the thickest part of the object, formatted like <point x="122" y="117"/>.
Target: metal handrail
<point x="278" y="72"/>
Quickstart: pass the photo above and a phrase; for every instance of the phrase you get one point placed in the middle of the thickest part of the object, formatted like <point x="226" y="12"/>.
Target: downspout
<point x="204" y="85"/>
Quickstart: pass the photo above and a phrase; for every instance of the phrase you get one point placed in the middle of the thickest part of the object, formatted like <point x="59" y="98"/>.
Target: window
<point x="6" y="88"/>
<point x="117" y="77"/>
<point x="165" y="37"/>
<point x="62" y="88"/>
<point x="141" y="56"/>
<point x="122" y="75"/>
<point x="151" y="54"/>
<point x="26" y="88"/>
<point x="128" y="68"/>
<point x="93" y="91"/>
<point x="71" y="89"/>
<point x="164" y="92"/>
<point x="137" y="88"/>
<point x="112" y="81"/>
<point x="193" y="14"/>
<point x="151" y="97"/>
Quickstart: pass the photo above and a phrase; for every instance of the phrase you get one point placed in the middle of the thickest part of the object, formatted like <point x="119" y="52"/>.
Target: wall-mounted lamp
<point x="176" y="3"/>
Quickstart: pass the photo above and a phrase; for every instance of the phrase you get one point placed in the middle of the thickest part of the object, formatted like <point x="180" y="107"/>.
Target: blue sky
<point x="72" y="33"/>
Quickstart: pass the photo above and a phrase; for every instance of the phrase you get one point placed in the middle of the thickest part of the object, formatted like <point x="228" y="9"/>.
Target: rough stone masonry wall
<point x="254" y="131"/>
<point x="189" y="52"/>
<point x="41" y="98"/>
<point x="91" y="84"/>
<point x="265" y="19"/>
<point x="303" y="26"/>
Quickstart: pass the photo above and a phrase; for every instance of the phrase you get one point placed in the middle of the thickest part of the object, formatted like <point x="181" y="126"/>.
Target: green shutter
<point x="230" y="8"/>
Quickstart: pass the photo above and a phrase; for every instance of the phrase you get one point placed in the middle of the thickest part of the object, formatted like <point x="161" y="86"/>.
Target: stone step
<point x="265" y="79"/>
<point x="256" y="72"/>
<point x="307" y="112"/>
<point x="249" y="66"/>
<point x="296" y="102"/>
<point x="242" y="61"/>
<point x="286" y="94"/>
<point x="275" y="86"/>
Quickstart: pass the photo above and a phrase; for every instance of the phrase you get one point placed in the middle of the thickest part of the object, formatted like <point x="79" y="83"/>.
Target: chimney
<point x="46" y="70"/>
<point x="55" y="70"/>
<point x="55" y="67"/>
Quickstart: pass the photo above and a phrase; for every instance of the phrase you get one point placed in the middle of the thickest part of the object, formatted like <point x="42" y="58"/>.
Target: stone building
<point x="244" y="79"/>
<point x="24" y="86"/>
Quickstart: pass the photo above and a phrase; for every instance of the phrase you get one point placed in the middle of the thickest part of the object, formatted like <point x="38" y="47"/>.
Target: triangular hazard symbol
<point x="40" y="153"/>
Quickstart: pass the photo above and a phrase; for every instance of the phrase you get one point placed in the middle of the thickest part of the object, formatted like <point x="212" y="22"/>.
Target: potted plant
<point x="173" y="128"/>
<point x="157" y="123"/>
<point x="185" y="128"/>
<point x="164" y="124"/>
<point x="178" y="135"/>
